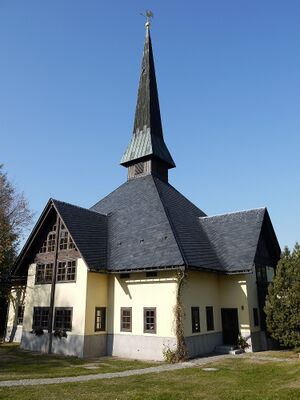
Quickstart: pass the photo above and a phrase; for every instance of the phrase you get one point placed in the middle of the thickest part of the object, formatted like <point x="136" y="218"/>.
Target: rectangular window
<point x="261" y="273"/>
<point x="20" y="315"/>
<point x="210" y="318"/>
<point x="255" y="316"/>
<point x="40" y="317"/>
<point x="43" y="249"/>
<point x="149" y="320"/>
<point x="100" y="318"/>
<point x="126" y="322"/>
<point x="63" y="318"/>
<point x="195" y="319"/>
<point x="43" y="273"/>
<point x="51" y="242"/>
<point x="66" y="271"/>
<point x="71" y="244"/>
<point x="63" y="242"/>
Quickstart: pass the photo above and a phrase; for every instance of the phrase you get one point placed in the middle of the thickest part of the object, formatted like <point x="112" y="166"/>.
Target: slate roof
<point x="89" y="232"/>
<point x="147" y="138"/>
<point x="235" y="237"/>
<point x="147" y="224"/>
<point x="139" y="232"/>
<point x="152" y="225"/>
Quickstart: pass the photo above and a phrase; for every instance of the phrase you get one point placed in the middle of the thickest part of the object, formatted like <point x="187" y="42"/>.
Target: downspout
<point x="53" y="285"/>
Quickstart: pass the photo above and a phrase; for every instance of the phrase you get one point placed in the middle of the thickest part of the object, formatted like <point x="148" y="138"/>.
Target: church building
<point x="143" y="267"/>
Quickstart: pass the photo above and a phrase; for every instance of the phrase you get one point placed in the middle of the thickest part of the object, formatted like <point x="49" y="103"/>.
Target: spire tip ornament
<point x="148" y="15"/>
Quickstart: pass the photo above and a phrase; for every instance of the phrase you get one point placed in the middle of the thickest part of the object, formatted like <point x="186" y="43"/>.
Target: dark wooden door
<point x="230" y="325"/>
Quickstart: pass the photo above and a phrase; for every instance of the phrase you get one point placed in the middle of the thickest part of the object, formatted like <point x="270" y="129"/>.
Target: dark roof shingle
<point x="89" y="232"/>
<point x="234" y="237"/>
<point x="139" y="232"/>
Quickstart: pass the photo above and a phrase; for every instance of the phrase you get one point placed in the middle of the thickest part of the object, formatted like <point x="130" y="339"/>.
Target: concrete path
<point x="111" y="375"/>
<point x="157" y="369"/>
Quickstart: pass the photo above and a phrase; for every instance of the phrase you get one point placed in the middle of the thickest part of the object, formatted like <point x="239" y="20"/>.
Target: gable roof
<point x="88" y="230"/>
<point x="235" y="237"/>
<point x="184" y="217"/>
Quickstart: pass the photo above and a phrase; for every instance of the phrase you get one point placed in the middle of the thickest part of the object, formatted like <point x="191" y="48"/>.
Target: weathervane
<point x="148" y="15"/>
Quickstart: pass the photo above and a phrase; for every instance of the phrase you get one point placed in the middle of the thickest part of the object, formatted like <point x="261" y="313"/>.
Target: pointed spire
<point x="147" y="140"/>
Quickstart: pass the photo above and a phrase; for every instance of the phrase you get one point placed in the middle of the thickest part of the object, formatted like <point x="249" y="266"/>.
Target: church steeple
<point x="147" y="152"/>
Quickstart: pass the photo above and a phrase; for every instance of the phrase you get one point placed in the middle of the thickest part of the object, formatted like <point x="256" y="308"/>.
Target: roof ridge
<point x="182" y="195"/>
<point x="170" y="221"/>
<point x="74" y="205"/>
<point x="234" y="212"/>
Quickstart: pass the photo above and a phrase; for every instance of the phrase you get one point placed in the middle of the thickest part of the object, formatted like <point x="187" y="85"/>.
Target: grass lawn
<point x="235" y="379"/>
<point x="20" y="364"/>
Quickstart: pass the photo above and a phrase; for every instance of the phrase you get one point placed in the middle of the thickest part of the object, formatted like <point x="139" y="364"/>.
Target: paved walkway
<point x="157" y="369"/>
<point x="110" y="375"/>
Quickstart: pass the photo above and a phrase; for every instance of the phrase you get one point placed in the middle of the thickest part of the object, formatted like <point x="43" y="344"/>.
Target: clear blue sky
<point x="228" y="77"/>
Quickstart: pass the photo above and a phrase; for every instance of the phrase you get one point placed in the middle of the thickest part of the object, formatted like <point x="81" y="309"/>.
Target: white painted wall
<point x="16" y="299"/>
<point x="67" y="294"/>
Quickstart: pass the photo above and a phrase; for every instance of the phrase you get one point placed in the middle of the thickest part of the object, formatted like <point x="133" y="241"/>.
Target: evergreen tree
<point x="283" y="300"/>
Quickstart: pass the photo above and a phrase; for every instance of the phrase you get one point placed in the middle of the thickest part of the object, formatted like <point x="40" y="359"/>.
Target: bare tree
<point x="15" y="218"/>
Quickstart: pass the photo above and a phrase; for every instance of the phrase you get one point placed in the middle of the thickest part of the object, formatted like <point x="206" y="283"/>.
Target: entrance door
<point x="230" y="325"/>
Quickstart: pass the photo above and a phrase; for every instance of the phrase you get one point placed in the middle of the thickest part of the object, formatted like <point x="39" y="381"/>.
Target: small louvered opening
<point x="139" y="168"/>
<point x="124" y="276"/>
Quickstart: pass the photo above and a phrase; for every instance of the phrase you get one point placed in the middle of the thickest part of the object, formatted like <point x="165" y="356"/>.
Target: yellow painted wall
<point x="204" y="289"/>
<point x="69" y="294"/>
<point x="201" y="289"/>
<point x="233" y="294"/>
<point x="139" y="292"/>
<point x="97" y="292"/>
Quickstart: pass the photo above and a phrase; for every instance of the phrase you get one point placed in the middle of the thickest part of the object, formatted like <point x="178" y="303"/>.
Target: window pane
<point x="210" y="318"/>
<point x="126" y="319"/>
<point x="39" y="275"/>
<point x="195" y="319"/>
<point x="63" y="243"/>
<point x="40" y="317"/>
<point x="66" y="271"/>
<point x="150" y="320"/>
<point x="48" y="273"/>
<point x="100" y="318"/>
<point x="63" y="319"/>
<point x="20" y="315"/>
<point x="61" y="271"/>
